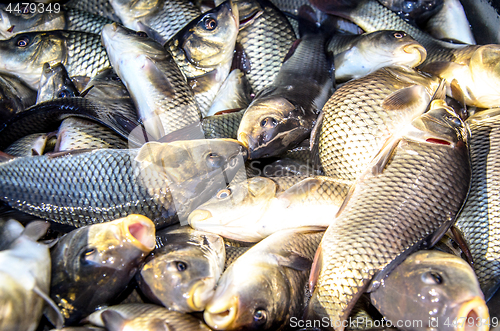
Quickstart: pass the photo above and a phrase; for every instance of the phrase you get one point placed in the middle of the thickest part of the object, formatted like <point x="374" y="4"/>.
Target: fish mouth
<point x="474" y="310"/>
<point x="198" y="215"/>
<point x="200" y="294"/>
<point x="244" y="140"/>
<point x="221" y="317"/>
<point x="418" y="49"/>
<point x="140" y="231"/>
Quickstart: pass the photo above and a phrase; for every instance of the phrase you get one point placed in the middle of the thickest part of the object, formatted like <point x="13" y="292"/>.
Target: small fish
<point x="145" y="317"/>
<point x="252" y="210"/>
<point x="184" y="269"/>
<point x="437" y="287"/>
<point x="55" y="83"/>
<point x="93" y="264"/>
<point x="264" y="287"/>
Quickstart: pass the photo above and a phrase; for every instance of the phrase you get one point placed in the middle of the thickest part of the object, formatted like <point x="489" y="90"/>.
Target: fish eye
<point x="399" y="35"/>
<point x="141" y="34"/>
<point x="86" y="254"/>
<point x="432" y="278"/>
<point x="214" y="160"/>
<point x="181" y="266"/>
<point x="63" y="94"/>
<point x="259" y="316"/>
<point x="269" y="121"/>
<point x="222" y="194"/>
<point x="209" y="23"/>
<point x="23" y="41"/>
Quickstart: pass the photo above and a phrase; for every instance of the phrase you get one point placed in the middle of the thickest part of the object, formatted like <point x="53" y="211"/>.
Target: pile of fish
<point x="249" y="165"/>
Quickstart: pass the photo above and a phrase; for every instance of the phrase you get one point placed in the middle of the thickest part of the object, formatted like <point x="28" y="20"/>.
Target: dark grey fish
<point x="15" y="96"/>
<point x="408" y="197"/>
<point x="98" y="7"/>
<point x="484" y="23"/>
<point x="55" y="83"/>
<point x="159" y="181"/>
<point x="92" y="265"/>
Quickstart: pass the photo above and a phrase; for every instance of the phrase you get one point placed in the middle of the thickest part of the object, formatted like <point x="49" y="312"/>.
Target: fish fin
<point x="383" y="157"/>
<point x="241" y="60"/>
<point x="36" y="229"/>
<point x="152" y="34"/>
<point x="439" y="67"/>
<point x="80" y="82"/>
<point x="315" y="268"/>
<point x="113" y="320"/>
<point x="440" y="93"/>
<point x="228" y="111"/>
<point x="189" y="132"/>
<point x="51" y="311"/>
<point x="299" y="190"/>
<point x="53" y="155"/>
<point x="459" y="96"/>
<point x="203" y="83"/>
<point x="346" y="199"/>
<point x="458" y="237"/>
<point x="149" y="151"/>
<point x="158" y="77"/>
<point x="293" y="260"/>
<point x="4" y="157"/>
<point x="314" y="141"/>
<point x="292" y="49"/>
<point x="403" y="98"/>
<point x="86" y="91"/>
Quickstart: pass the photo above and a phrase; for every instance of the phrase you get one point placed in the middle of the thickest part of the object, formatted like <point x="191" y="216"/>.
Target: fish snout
<point x="201" y="293"/>
<point x="418" y="50"/>
<point x="140" y="231"/>
<point x="220" y="315"/>
<point x="198" y="215"/>
<point x="475" y="315"/>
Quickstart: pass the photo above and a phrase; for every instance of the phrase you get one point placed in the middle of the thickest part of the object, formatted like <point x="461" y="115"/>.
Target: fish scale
<point x="86" y="56"/>
<point x="266" y="42"/>
<point x="420" y="190"/>
<point x="99" y="7"/>
<point x="61" y="190"/>
<point x="222" y="126"/>
<point x="355" y="124"/>
<point x="479" y="217"/>
<point x="79" y="20"/>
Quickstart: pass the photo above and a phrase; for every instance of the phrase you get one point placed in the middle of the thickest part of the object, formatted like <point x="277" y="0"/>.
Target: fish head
<point x="433" y="286"/>
<point x="271" y="125"/>
<point x="93" y="264"/>
<point x="130" y="11"/>
<point x="24" y="54"/>
<point x="403" y="49"/>
<point x="12" y="22"/>
<point x="485" y="69"/>
<point x="109" y="84"/>
<point x="209" y="40"/>
<point x="234" y="209"/>
<point x="183" y="274"/>
<point x="55" y="82"/>
<point x="193" y="170"/>
<point x="251" y="298"/>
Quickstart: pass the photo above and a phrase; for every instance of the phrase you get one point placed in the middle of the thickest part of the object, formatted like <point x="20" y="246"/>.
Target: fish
<point x="223" y="125"/>
<point x="164" y="100"/>
<point x="253" y="210"/>
<point x="55" y="83"/>
<point x="203" y="50"/>
<point x="33" y="144"/>
<point x="12" y="23"/>
<point x="162" y="181"/>
<point x="91" y="265"/>
<point x="265" y="37"/>
<point x="184" y="269"/>
<point x="160" y="18"/>
<point x="232" y="254"/>
<point x="283" y="114"/>
<point x="390" y="211"/>
<point x="483" y="23"/>
<point x="437" y="287"/>
<point x="234" y="93"/>
<point x="475" y="74"/>
<point x="478" y="220"/>
<point x="75" y="133"/>
<point x="98" y="7"/>
<point x="361" y="115"/>
<point x="147" y="317"/>
<point x="358" y="55"/>
<point x="450" y="23"/>
<point x="264" y="287"/>
<point x="25" y="278"/>
<point x="24" y="54"/>
<point x="15" y="96"/>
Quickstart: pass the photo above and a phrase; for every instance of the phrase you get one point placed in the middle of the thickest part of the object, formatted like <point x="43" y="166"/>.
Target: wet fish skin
<point x="479" y="218"/>
<point x="264" y="287"/>
<point x="184" y="269"/>
<point x="265" y="38"/>
<point x="15" y="96"/>
<point x="346" y="149"/>
<point x="71" y="189"/>
<point x="235" y="93"/>
<point x="284" y="113"/>
<point x="99" y="7"/>
<point x="164" y="101"/>
<point x="368" y="52"/>
<point x="451" y="23"/>
<point x="145" y="317"/>
<point x="158" y="17"/>
<point x="253" y="210"/>
<point x="93" y="264"/>
<point x="30" y="145"/>
<point x="203" y="50"/>
<point x="223" y="125"/>
<point x="66" y="19"/>
<point x="446" y="278"/>
<point x="24" y="54"/>
<point x="389" y="201"/>
<point x="55" y="83"/>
